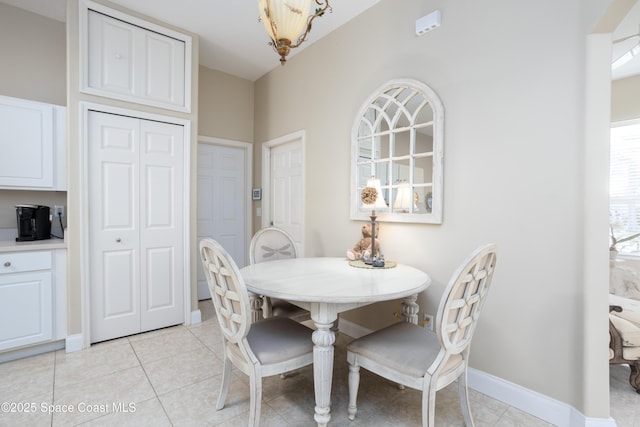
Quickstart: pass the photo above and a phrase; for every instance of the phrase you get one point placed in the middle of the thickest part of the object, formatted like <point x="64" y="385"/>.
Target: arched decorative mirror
<point x="397" y="137"/>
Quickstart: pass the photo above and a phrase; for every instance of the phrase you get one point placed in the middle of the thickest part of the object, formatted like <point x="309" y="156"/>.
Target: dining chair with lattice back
<point x="421" y="359"/>
<point x="270" y="244"/>
<point x="269" y="347"/>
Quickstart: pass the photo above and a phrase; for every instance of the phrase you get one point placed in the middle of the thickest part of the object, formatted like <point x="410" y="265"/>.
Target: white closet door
<point x="136" y="206"/>
<point x="161" y="223"/>
<point x="113" y="216"/>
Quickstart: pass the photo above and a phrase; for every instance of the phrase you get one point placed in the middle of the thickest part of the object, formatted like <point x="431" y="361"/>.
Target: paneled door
<point x="222" y="203"/>
<point x="286" y="189"/>
<point x="136" y="202"/>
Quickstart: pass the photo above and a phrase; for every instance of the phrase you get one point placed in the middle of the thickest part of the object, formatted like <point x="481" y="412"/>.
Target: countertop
<point x="38" y="245"/>
<point x="8" y="242"/>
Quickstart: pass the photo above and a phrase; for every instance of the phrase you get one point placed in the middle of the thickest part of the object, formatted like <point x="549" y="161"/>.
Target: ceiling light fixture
<point x="285" y="21"/>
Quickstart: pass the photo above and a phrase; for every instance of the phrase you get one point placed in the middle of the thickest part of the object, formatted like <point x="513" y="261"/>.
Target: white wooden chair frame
<point x="284" y="251"/>
<point x="269" y="347"/>
<point x="446" y="358"/>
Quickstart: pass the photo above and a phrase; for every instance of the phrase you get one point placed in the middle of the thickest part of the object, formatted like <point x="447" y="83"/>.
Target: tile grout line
<point x="150" y="383"/>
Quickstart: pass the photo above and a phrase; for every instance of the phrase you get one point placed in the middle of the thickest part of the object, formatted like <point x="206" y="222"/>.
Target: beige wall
<point x="625" y="99"/>
<point x="225" y="109"/>
<point x="33" y="48"/>
<point x="511" y="89"/>
<point x="33" y="51"/>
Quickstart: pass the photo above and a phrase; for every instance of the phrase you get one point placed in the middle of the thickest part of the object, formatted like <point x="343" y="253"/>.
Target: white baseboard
<point x="7" y="356"/>
<point x="74" y="343"/>
<point x="196" y="317"/>
<point x="539" y="405"/>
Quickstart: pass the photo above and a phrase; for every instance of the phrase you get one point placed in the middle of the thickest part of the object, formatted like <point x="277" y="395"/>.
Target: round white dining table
<point x="327" y="287"/>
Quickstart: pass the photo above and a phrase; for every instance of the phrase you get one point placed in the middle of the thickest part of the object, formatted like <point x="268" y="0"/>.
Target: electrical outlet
<point x="58" y="211"/>
<point x="427" y="322"/>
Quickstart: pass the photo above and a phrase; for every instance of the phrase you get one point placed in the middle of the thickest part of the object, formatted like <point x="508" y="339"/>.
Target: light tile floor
<point x="171" y="377"/>
<point x="625" y="402"/>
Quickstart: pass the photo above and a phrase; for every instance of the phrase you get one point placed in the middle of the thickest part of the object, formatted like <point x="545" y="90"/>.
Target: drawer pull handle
<point x="7" y="264"/>
<point x="118" y="240"/>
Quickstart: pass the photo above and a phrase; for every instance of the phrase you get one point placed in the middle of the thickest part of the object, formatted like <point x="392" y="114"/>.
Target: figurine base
<point x="358" y="263"/>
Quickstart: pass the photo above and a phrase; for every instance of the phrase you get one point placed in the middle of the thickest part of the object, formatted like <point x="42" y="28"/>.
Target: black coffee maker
<point x="34" y="222"/>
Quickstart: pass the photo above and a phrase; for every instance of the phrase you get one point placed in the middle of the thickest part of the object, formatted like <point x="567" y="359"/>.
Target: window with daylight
<point x="624" y="188"/>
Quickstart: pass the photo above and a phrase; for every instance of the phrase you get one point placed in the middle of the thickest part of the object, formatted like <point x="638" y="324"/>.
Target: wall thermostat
<point x="428" y="22"/>
<point x="256" y="194"/>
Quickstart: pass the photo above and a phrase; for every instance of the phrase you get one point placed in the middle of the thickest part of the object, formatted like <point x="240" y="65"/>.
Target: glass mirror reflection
<point x="397" y="138"/>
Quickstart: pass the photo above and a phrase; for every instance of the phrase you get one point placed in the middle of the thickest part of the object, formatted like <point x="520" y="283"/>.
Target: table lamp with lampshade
<point x="372" y="199"/>
<point x="404" y="198"/>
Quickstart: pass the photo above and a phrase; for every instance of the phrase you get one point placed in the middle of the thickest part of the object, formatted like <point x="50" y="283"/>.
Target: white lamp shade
<point x="379" y="203"/>
<point x="404" y="198"/>
<point x="289" y="17"/>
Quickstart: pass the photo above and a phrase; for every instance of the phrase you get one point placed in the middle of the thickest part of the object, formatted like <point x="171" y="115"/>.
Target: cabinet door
<point x="127" y="61"/>
<point x="112" y="65"/>
<point x="25" y="309"/>
<point x="162" y="68"/>
<point x="26" y="144"/>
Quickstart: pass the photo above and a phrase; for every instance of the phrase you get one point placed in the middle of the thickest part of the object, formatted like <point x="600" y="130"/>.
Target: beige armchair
<point x="624" y="335"/>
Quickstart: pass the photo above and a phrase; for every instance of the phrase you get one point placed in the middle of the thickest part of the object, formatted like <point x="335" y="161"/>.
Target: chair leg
<point x="224" y="387"/>
<point x="634" y="377"/>
<point x="255" y="399"/>
<point x="429" y="406"/>
<point x="354" y="384"/>
<point x="464" y="399"/>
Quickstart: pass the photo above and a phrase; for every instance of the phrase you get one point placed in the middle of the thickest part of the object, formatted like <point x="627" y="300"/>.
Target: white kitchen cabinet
<point x="32" y="145"/>
<point x="32" y="298"/>
<point x="134" y="60"/>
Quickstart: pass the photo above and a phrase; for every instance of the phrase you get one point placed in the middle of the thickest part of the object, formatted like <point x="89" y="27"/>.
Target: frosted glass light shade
<point x="287" y="17"/>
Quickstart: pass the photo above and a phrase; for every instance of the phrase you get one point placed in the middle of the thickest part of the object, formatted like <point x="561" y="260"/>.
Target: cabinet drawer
<point x="16" y="262"/>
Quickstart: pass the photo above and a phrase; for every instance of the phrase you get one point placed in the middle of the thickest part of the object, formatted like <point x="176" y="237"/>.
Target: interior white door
<point x="113" y="212"/>
<point x="222" y="203"/>
<point x="286" y="189"/>
<point x="161" y="224"/>
<point x="135" y="219"/>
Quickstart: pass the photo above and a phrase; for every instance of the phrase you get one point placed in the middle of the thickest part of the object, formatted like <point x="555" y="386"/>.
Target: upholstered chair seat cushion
<point x="630" y="308"/>
<point x="404" y="347"/>
<point x="631" y="353"/>
<point x="627" y="322"/>
<point x="277" y="339"/>
<point x="630" y="332"/>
